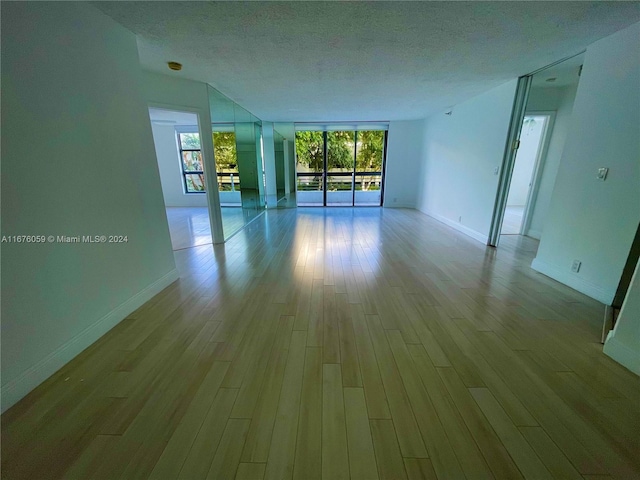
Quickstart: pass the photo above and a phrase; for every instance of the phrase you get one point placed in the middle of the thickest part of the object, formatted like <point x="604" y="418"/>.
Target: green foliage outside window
<point x="340" y="156"/>
<point x="226" y="155"/>
<point x="310" y="150"/>
<point x="224" y="147"/>
<point x="369" y="155"/>
<point x="369" y="158"/>
<point x="340" y="150"/>
<point x="190" y="141"/>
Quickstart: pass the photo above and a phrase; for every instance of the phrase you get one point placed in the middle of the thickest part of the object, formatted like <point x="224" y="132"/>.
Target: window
<point x="191" y="162"/>
<point x="340" y="167"/>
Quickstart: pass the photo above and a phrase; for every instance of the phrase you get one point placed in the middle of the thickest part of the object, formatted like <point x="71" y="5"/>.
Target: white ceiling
<point x="332" y="61"/>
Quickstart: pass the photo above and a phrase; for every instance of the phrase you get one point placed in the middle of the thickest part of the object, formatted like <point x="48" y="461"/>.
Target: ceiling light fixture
<point x="551" y="79"/>
<point x="175" y="66"/>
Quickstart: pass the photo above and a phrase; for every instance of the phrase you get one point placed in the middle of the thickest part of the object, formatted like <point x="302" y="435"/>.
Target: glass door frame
<point x="364" y="173"/>
<point x="325" y="174"/>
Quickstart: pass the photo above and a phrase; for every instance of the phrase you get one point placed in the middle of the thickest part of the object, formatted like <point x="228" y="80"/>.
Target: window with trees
<point x="191" y="162"/>
<point x="348" y="161"/>
<point x="224" y="147"/>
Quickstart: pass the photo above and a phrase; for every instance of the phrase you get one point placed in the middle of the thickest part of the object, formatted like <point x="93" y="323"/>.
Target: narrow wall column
<point x="210" y="176"/>
<point x="269" y="164"/>
<point x="287" y="170"/>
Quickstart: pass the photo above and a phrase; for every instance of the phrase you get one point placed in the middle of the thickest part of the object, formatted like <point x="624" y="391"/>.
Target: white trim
<point x="574" y="281"/>
<point x="340" y="126"/>
<point x="399" y="205"/>
<point x="187" y="128"/>
<point x="533" y="234"/>
<point x="459" y="227"/>
<point x="621" y="353"/>
<point x="38" y="373"/>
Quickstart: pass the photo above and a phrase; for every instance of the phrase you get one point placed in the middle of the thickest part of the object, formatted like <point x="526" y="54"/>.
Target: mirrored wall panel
<point x="283" y="140"/>
<point x="237" y="143"/>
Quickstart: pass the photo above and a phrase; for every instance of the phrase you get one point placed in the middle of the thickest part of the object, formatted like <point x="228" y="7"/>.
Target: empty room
<point x="320" y="240"/>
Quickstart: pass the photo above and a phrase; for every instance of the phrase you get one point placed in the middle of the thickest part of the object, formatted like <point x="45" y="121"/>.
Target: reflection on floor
<point x="327" y="343"/>
<point x="512" y="220"/>
<point x="233" y="219"/>
<point x="188" y="226"/>
<point x="288" y="201"/>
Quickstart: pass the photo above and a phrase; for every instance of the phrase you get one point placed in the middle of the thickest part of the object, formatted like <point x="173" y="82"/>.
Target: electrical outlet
<point x="575" y="266"/>
<point x="602" y="174"/>
<point x="496" y="170"/>
<point x="395" y="199"/>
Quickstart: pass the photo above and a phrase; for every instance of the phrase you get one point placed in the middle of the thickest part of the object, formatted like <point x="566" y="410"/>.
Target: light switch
<point x="602" y="173"/>
<point x="496" y="170"/>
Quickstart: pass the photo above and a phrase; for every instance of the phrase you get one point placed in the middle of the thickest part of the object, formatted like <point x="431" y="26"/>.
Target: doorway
<point x="340" y="167"/>
<point x="541" y="117"/>
<point x="529" y="158"/>
<point x="176" y="136"/>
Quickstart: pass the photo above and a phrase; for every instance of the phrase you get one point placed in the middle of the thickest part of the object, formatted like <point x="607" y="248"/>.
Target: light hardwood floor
<point x="512" y="221"/>
<point x="340" y="343"/>
<point x="189" y="226"/>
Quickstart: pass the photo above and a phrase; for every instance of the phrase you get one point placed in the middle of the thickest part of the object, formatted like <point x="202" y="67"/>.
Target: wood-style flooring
<point x="512" y="220"/>
<point x="190" y="227"/>
<point x="340" y="343"/>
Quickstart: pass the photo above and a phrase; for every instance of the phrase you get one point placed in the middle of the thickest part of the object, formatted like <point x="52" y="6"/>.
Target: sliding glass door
<point x="340" y="167"/>
<point x="368" y="173"/>
<point x="310" y="148"/>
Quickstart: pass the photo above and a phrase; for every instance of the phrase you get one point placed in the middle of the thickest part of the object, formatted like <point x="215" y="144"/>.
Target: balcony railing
<point x="339" y="181"/>
<point x="228" y="182"/>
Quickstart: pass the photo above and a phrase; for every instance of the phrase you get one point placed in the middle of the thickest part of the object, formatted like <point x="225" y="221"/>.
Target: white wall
<point x="404" y="160"/>
<point x="164" y="138"/>
<point x="74" y="117"/>
<point x="590" y="220"/>
<point x="457" y="182"/>
<point x="559" y="100"/>
<point x="623" y="343"/>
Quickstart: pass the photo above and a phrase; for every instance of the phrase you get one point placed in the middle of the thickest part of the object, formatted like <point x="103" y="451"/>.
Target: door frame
<point x="326" y="174"/>
<point x="520" y="99"/>
<point x="538" y="168"/>
<point x="510" y="150"/>
<point x="208" y="164"/>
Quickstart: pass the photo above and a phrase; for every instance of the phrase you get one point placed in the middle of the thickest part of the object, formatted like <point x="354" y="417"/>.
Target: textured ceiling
<point x="319" y="61"/>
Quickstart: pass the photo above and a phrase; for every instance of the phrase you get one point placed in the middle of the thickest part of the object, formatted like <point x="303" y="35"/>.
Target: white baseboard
<point x="458" y="226"/>
<point x="534" y="234"/>
<point x="621" y="353"/>
<point x="38" y="373"/>
<point x="574" y="281"/>
<point x="399" y="205"/>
